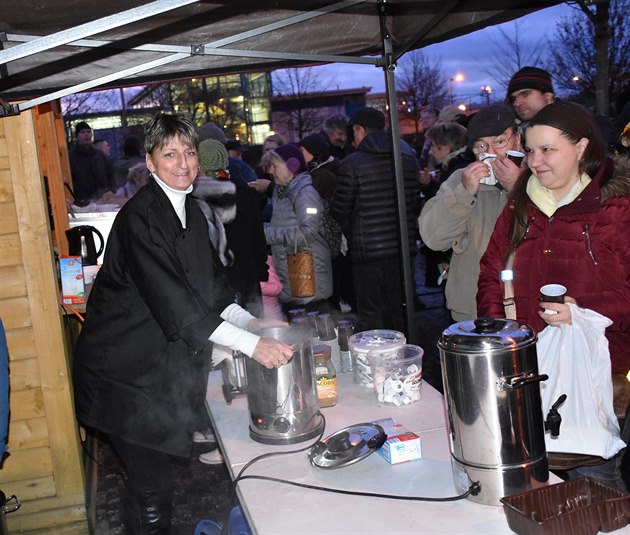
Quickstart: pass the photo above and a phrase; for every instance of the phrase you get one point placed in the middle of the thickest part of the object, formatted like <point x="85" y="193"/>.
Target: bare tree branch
<point x="511" y="52"/>
<point x="573" y="60"/>
<point x="300" y="86"/>
<point x="423" y="82"/>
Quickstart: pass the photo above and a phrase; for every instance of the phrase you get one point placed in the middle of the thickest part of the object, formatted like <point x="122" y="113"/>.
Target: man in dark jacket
<point x="365" y="205"/>
<point x="87" y="165"/>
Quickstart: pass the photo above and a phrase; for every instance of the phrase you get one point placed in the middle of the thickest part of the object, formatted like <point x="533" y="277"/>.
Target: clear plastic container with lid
<point x="325" y="376"/>
<point x="379" y="343"/>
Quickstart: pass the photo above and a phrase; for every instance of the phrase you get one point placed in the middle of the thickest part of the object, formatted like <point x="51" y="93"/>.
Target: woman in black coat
<point x="157" y="305"/>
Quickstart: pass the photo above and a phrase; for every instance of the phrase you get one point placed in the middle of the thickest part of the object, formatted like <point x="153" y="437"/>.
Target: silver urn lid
<point x="486" y="334"/>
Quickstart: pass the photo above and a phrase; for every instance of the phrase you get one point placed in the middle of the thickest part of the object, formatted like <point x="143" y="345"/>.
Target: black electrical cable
<point x="280" y="453"/>
<point x="473" y="490"/>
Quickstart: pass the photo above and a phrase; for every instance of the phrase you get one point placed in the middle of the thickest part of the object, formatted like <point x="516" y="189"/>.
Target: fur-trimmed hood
<point x="219" y="194"/>
<point x="217" y="200"/>
<point x="618" y="183"/>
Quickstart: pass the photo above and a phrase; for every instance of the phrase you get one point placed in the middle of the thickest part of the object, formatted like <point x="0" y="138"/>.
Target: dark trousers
<point x="379" y="293"/>
<point x="343" y="285"/>
<point x="149" y="488"/>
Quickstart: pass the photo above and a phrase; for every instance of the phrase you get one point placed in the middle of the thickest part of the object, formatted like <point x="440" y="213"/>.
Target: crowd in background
<point x="536" y="181"/>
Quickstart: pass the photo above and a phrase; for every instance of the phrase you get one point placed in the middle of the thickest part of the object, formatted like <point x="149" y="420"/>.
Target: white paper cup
<point x="89" y="273"/>
<point x="516" y="156"/>
<point x="552" y="293"/>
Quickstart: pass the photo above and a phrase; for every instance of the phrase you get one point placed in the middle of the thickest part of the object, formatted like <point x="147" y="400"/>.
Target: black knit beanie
<point x="531" y="78"/>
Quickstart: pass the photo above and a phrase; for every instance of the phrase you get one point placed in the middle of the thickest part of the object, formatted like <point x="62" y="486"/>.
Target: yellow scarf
<point x="544" y="199"/>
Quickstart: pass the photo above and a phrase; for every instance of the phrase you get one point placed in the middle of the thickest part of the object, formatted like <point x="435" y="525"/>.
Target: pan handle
<point x="516" y="381"/>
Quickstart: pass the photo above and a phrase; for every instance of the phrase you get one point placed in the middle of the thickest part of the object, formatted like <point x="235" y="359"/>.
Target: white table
<point x="277" y="509"/>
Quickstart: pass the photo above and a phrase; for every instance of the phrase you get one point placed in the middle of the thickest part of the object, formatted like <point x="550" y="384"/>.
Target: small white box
<point x="401" y="445"/>
<point x="72" y="281"/>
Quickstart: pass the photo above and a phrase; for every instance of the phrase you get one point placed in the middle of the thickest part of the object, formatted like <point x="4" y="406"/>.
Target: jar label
<point x="327" y="389"/>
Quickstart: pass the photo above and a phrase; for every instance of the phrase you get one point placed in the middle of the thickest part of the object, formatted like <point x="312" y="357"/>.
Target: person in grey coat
<point x="297" y="216"/>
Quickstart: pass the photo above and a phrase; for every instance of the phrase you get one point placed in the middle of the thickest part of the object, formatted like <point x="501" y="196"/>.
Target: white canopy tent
<point x="53" y="48"/>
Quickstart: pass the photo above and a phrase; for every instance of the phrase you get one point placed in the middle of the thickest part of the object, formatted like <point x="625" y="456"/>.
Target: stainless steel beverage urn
<point x="495" y="420"/>
<point x="283" y="403"/>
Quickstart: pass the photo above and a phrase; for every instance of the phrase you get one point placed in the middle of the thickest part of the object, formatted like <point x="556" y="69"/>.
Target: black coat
<point x="246" y="239"/>
<point x="140" y="364"/>
<point x="88" y="167"/>
<point x="365" y="199"/>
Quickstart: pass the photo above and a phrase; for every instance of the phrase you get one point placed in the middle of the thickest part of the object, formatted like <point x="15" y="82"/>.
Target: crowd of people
<point x="197" y="259"/>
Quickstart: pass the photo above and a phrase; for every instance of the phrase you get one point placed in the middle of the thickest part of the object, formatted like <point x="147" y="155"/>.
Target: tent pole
<point x="390" y="83"/>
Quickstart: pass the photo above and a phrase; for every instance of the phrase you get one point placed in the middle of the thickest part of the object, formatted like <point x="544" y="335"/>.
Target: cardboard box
<point x="402" y="445"/>
<point x="72" y="281"/>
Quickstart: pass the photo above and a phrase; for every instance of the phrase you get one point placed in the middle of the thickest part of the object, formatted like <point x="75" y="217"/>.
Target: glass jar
<point x="325" y="376"/>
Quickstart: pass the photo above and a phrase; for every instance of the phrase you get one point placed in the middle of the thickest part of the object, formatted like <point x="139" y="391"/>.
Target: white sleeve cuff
<point x="237" y="315"/>
<point x="235" y="338"/>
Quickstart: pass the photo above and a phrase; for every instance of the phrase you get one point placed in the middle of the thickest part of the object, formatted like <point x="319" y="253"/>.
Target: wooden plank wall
<point x="44" y="468"/>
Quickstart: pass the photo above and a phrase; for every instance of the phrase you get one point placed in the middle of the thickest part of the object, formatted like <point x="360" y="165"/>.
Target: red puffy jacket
<point x="584" y="246"/>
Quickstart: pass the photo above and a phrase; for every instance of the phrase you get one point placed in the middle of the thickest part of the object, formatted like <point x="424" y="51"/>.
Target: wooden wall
<point x="44" y="468"/>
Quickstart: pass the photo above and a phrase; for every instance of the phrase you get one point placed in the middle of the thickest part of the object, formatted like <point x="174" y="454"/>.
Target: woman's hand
<point x="562" y="315"/>
<point x="261" y="185"/>
<point x="271" y="353"/>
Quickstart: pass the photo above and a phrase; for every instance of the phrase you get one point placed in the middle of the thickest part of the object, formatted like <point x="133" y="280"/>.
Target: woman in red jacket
<point x="568" y="222"/>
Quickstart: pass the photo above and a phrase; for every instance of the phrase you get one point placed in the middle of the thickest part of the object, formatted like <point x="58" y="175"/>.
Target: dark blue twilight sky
<point x="466" y="54"/>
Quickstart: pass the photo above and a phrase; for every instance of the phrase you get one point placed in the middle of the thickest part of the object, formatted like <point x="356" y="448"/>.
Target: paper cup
<point x="516" y="156"/>
<point x="552" y="293"/>
<point x="89" y="273"/>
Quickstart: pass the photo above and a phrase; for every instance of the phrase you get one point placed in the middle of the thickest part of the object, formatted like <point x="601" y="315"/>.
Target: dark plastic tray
<point x="582" y="506"/>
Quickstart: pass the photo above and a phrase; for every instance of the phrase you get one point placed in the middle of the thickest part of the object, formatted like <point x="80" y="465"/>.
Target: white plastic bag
<point x="577" y="361"/>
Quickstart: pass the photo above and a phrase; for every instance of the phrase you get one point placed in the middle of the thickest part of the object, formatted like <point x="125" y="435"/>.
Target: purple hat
<point x="292" y="156"/>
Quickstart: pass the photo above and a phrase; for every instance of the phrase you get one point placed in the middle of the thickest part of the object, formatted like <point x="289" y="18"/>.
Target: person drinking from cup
<point x="465" y="208"/>
<point x="567" y="223"/>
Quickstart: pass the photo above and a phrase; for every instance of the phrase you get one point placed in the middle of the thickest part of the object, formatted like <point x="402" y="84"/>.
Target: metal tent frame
<point x="271" y="38"/>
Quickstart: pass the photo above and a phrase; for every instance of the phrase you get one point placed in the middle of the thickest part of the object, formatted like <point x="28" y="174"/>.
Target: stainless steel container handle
<point x="516" y="381"/>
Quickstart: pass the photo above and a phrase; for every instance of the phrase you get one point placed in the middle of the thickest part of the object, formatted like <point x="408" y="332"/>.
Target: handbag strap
<point x="295" y="239"/>
<point x="507" y="276"/>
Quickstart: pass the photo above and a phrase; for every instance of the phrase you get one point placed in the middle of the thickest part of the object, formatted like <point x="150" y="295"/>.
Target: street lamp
<point x="486" y="91"/>
<point x="459" y="77"/>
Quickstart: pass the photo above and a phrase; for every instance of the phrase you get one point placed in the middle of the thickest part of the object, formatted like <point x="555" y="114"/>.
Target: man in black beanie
<point x="88" y="166"/>
<point x="529" y="91"/>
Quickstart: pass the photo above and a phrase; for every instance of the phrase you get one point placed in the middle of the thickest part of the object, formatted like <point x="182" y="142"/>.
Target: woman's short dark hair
<point x="165" y="126"/>
<point x="452" y="135"/>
